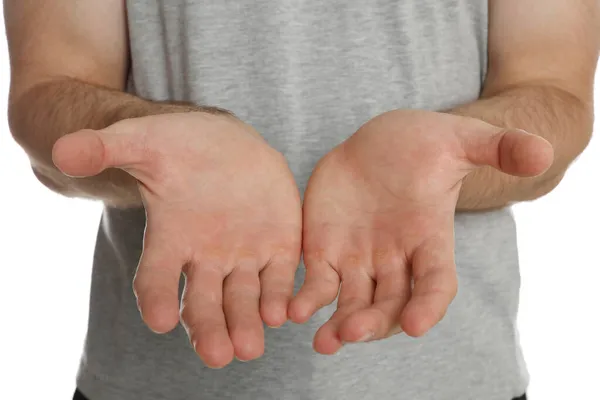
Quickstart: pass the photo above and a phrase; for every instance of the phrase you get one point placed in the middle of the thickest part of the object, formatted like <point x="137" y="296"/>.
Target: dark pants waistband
<point x="79" y="396"/>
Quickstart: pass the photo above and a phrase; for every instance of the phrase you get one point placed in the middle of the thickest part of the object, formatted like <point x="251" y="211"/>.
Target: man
<point x="199" y="124"/>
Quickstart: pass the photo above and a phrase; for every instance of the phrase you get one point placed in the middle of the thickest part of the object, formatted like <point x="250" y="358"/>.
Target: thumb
<point x="512" y="151"/>
<point x="89" y="152"/>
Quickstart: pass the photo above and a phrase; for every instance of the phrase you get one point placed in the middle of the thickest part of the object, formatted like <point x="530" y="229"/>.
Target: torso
<point x="307" y="74"/>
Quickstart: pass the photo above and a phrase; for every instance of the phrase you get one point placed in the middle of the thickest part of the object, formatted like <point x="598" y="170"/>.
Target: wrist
<point x="137" y="107"/>
<point x="170" y="107"/>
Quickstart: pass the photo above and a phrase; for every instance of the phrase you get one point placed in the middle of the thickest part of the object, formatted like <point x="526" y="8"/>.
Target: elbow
<point x="19" y="116"/>
<point x="585" y="133"/>
<point x="17" y="108"/>
<point x="26" y="127"/>
<point x="581" y="129"/>
<point x="544" y="185"/>
<point x="15" y="125"/>
<point x="577" y="141"/>
<point x="552" y="178"/>
<point x="56" y="185"/>
<point x="549" y="184"/>
<point x="25" y="104"/>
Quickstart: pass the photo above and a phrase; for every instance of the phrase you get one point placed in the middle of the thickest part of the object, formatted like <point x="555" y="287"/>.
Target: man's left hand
<point x="379" y="220"/>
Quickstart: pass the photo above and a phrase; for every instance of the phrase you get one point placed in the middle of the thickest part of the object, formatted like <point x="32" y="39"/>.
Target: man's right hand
<point x="222" y="207"/>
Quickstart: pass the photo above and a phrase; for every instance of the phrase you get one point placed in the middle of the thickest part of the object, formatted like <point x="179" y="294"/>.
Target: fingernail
<point x="277" y="326"/>
<point x="523" y="131"/>
<point x="366" y="337"/>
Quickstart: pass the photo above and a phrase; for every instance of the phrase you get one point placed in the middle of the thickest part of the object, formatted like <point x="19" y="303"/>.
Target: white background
<point x="46" y="245"/>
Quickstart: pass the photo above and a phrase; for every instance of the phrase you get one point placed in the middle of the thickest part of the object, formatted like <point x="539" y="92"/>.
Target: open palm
<point x="222" y="207"/>
<point x="379" y="220"/>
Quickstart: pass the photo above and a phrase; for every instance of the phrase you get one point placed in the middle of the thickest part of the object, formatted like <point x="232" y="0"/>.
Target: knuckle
<point x="384" y="257"/>
<point x="243" y="290"/>
<point x="332" y="282"/>
<point x="327" y="283"/>
<point x="249" y="264"/>
<point x="316" y="255"/>
<point x="318" y="258"/>
<point x="209" y="261"/>
<point x="287" y="243"/>
<point x="349" y="276"/>
<point x="276" y="279"/>
<point x="284" y="257"/>
<point x="381" y="255"/>
<point x="353" y="261"/>
<point x="355" y="303"/>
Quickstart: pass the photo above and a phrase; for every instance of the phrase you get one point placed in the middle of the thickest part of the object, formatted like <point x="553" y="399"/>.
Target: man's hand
<point x="222" y="206"/>
<point x="379" y="219"/>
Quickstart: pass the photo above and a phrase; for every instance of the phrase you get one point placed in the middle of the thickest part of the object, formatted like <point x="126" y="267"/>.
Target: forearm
<point x="557" y="116"/>
<point x="47" y="111"/>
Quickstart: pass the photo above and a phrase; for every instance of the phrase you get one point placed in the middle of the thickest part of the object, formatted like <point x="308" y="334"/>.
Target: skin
<point x="222" y="206"/>
<point x="122" y="150"/>
<point x="373" y="231"/>
<point x="379" y="209"/>
<point x="541" y="68"/>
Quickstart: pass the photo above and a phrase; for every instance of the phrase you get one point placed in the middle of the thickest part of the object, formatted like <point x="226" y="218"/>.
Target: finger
<point x="202" y="314"/>
<point x="320" y="288"/>
<point x="277" y="287"/>
<point x="89" y="152"/>
<point x="356" y="294"/>
<point x="241" y="293"/>
<point x="524" y="154"/>
<point x="511" y="151"/>
<point x="435" y="285"/>
<point x="156" y="283"/>
<point x="382" y="318"/>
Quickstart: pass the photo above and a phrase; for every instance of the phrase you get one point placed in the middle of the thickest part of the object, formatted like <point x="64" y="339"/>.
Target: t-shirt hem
<point x="97" y="387"/>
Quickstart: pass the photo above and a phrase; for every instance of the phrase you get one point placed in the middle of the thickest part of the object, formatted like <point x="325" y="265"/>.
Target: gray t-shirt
<point x="307" y="74"/>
